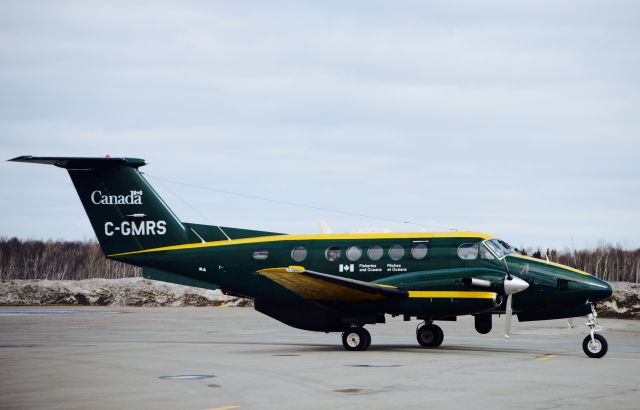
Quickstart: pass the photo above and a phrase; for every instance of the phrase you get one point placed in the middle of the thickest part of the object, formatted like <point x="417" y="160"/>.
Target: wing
<point x="323" y="287"/>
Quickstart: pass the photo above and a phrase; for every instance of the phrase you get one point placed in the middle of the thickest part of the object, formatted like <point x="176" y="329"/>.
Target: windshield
<point x="499" y="247"/>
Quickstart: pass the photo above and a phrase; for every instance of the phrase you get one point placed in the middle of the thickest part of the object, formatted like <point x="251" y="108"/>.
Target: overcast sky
<point x="520" y="119"/>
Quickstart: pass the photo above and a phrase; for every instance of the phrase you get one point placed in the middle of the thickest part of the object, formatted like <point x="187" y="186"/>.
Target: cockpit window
<point x="485" y="253"/>
<point x="499" y="248"/>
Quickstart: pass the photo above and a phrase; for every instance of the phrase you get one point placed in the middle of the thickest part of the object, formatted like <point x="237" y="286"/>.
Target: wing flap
<point x="323" y="287"/>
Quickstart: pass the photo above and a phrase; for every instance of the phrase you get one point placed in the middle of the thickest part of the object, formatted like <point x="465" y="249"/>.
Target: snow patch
<point x="111" y="292"/>
<point x="625" y="301"/>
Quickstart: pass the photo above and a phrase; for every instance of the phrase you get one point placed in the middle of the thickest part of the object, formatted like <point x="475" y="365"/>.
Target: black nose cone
<point x="599" y="290"/>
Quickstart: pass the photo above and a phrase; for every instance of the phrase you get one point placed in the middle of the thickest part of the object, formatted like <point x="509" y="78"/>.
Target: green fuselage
<point x="232" y="266"/>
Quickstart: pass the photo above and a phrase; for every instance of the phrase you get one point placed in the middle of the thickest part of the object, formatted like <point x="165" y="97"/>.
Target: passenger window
<point x="354" y="253"/>
<point x="468" y="251"/>
<point x="299" y="253"/>
<point x="333" y="253"/>
<point x="260" y="255"/>
<point x="375" y="252"/>
<point x="396" y="252"/>
<point x="419" y="251"/>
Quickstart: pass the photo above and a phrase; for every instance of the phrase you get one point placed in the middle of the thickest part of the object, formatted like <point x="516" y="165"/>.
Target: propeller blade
<point x="507" y="318"/>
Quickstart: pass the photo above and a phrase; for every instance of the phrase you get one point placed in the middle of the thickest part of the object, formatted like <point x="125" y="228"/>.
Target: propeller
<point x="512" y="284"/>
<point x="507" y="318"/>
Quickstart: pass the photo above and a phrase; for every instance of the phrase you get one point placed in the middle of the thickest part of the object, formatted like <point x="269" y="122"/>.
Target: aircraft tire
<point x="595" y="350"/>
<point x="356" y="339"/>
<point x="440" y="336"/>
<point x="368" y="339"/>
<point x="430" y="335"/>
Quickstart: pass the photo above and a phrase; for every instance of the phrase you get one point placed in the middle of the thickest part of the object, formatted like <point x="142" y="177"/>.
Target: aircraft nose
<point x="599" y="290"/>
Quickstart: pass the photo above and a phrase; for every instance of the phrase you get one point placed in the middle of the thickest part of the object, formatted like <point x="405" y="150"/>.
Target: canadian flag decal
<point x="347" y="267"/>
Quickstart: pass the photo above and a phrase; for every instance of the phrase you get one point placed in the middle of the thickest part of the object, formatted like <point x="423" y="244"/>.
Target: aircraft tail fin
<point x="126" y="213"/>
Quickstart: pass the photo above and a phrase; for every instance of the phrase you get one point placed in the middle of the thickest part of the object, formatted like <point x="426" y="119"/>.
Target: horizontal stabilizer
<point x="323" y="287"/>
<point x="82" y="162"/>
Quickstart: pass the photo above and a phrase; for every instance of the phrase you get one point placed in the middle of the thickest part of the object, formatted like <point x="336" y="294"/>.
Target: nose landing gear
<point x="594" y="345"/>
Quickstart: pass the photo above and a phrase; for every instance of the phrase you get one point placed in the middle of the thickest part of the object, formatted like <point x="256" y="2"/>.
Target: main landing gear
<point x="356" y="338"/>
<point x="594" y="345"/>
<point x="429" y="335"/>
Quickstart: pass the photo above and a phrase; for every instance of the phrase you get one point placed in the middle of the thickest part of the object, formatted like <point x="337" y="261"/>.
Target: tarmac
<point x="224" y="358"/>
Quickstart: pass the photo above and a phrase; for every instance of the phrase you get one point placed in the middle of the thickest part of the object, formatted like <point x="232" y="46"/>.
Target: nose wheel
<point x="594" y="345"/>
<point x="356" y="339"/>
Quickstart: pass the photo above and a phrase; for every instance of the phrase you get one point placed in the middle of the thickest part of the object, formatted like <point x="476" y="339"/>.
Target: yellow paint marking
<point x="451" y="294"/>
<point x="343" y="236"/>
<point x="290" y="269"/>
<point x="384" y="286"/>
<point x="225" y="407"/>
<point x="316" y="288"/>
<point x="545" y="357"/>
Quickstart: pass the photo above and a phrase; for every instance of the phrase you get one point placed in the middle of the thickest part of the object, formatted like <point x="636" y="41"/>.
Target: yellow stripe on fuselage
<point x="436" y="294"/>
<point x="557" y="265"/>
<point x="344" y="236"/>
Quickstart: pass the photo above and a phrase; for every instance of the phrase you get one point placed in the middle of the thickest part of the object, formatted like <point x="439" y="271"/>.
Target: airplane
<point x="331" y="282"/>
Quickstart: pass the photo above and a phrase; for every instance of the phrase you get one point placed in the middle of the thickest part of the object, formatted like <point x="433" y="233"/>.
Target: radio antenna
<point x="299" y="205"/>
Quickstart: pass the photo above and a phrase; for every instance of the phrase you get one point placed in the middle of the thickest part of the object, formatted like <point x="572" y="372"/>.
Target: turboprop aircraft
<point x="331" y="282"/>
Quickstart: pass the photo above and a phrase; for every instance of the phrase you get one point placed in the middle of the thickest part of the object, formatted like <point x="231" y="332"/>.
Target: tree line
<point x="607" y="262"/>
<point x="58" y="260"/>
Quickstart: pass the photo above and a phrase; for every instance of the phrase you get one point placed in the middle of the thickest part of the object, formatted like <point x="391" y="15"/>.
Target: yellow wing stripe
<point x="280" y="238"/>
<point x="437" y="294"/>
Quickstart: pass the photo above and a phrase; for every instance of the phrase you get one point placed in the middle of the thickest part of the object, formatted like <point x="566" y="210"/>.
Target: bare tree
<point x="58" y="260"/>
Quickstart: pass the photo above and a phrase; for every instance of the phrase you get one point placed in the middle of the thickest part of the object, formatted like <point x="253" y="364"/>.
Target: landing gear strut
<point x="356" y="338"/>
<point x="429" y="335"/>
<point x="594" y="345"/>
